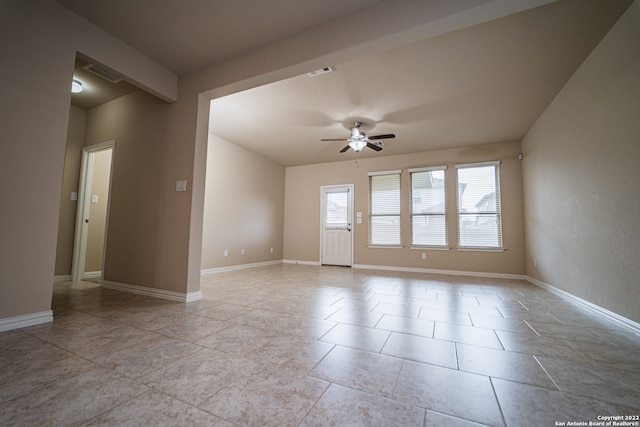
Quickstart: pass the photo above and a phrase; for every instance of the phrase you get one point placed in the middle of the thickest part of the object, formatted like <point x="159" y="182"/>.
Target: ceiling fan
<point x="359" y="140"/>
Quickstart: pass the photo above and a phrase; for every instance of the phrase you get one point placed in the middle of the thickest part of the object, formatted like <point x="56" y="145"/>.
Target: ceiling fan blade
<point x="335" y="139"/>
<point x="373" y="146"/>
<point x="345" y="148"/>
<point x="385" y="136"/>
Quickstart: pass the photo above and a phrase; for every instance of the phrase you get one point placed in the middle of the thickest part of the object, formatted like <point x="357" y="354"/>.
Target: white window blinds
<point x="428" y="207"/>
<point x="479" y="222"/>
<point x="384" y="209"/>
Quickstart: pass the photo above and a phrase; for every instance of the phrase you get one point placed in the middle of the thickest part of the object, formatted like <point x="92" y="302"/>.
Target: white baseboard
<point x="614" y="317"/>
<point x="295" y="261"/>
<point x="238" y="267"/>
<point x="89" y="275"/>
<point x="25" y="320"/>
<point x="62" y="278"/>
<point x="152" y="292"/>
<point x="445" y="272"/>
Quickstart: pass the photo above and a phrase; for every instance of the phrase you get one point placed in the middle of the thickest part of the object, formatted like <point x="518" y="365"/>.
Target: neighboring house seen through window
<point x="428" y="207"/>
<point x="479" y="219"/>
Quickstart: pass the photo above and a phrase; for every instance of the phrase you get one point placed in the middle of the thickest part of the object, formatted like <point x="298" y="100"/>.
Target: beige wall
<point x="137" y="228"/>
<point x="244" y="204"/>
<point x="302" y="210"/>
<point x="582" y="178"/>
<point x="98" y="211"/>
<point x="34" y="119"/>
<point x="68" y="207"/>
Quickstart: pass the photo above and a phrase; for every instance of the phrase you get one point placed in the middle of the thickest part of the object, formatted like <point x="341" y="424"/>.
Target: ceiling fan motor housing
<point x="355" y="131"/>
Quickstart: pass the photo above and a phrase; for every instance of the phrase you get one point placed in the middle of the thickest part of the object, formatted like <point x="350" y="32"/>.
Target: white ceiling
<point x="486" y="83"/>
<point x="187" y="35"/>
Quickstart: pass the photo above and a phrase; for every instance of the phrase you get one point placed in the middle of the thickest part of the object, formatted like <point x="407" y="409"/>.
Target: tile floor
<point x="291" y="345"/>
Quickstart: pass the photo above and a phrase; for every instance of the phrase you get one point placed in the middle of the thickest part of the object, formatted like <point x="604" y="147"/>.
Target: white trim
<point x="430" y="248"/>
<point x="392" y="172"/>
<point x="427" y="169"/>
<point x="295" y="261"/>
<point x="217" y="270"/>
<point x="336" y="188"/>
<point x="82" y="209"/>
<point x="89" y="275"/>
<point x="152" y="292"/>
<point x="475" y="249"/>
<point x="62" y="278"/>
<point x="620" y="320"/>
<point x="479" y="164"/>
<point x="26" y="320"/>
<point x="446" y="272"/>
<point x="193" y="296"/>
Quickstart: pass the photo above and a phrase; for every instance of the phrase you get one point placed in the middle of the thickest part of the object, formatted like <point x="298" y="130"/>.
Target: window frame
<point x="443" y="214"/>
<point x="497" y="213"/>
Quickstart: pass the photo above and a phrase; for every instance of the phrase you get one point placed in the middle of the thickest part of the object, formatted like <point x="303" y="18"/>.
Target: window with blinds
<point x="479" y="222"/>
<point x="384" y="209"/>
<point x="428" y="207"/>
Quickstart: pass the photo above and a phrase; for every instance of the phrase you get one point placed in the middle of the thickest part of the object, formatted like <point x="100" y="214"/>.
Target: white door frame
<point x="324" y="188"/>
<point x="82" y="211"/>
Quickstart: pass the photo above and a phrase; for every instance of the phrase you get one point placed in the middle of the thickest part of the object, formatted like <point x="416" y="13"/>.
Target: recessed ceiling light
<point x="76" y="86"/>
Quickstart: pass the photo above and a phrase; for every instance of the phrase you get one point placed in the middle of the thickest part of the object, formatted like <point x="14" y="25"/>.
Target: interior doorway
<point x="92" y="216"/>
<point x="336" y="238"/>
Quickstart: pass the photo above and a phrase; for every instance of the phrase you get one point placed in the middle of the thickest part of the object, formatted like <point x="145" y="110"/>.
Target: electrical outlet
<point x="226" y="253"/>
<point x="424" y="255"/>
<point x="270" y="250"/>
<point x="242" y="252"/>
<point x="535" y="262"/>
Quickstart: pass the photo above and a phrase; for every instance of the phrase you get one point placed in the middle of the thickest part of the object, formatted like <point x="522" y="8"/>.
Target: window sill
<point x="431" y="248"/>
<point x="385" y="246"/>
<point x="481" y="249"/>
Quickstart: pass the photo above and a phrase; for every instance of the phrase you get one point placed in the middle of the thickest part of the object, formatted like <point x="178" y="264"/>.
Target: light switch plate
<point x="94" y="198"/>
<point x="181" y="185"/>
<point x="74" y="195"/>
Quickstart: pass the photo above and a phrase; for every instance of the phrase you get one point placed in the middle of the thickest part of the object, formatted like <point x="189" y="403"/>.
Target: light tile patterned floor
<point x="291" y="345"/>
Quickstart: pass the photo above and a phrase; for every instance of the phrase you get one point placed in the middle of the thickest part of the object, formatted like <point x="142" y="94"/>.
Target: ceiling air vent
<point x="102" y="73"/>
<point x="320" y="71"/>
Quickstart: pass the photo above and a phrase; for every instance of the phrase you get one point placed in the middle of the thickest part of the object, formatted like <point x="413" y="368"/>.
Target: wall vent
<point x="102" y="73"/>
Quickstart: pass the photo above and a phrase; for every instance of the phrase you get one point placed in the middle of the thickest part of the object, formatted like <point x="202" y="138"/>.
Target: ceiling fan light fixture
<point x="357" y="145"/>
<point x="76" y="86"/>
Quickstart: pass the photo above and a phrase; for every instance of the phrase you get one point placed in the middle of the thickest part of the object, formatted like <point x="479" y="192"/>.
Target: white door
<point x="337" y="220"/>
<point x="85" y="200"/>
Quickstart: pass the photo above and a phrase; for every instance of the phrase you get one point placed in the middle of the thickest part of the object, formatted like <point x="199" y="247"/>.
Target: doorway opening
<point x="92" y="216"/>
<point x="336" y="236"/>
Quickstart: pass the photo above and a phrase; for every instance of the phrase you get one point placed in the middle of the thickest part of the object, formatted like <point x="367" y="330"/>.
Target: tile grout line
<point x="495" y="395"/>
<point x="546" y="372"/>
